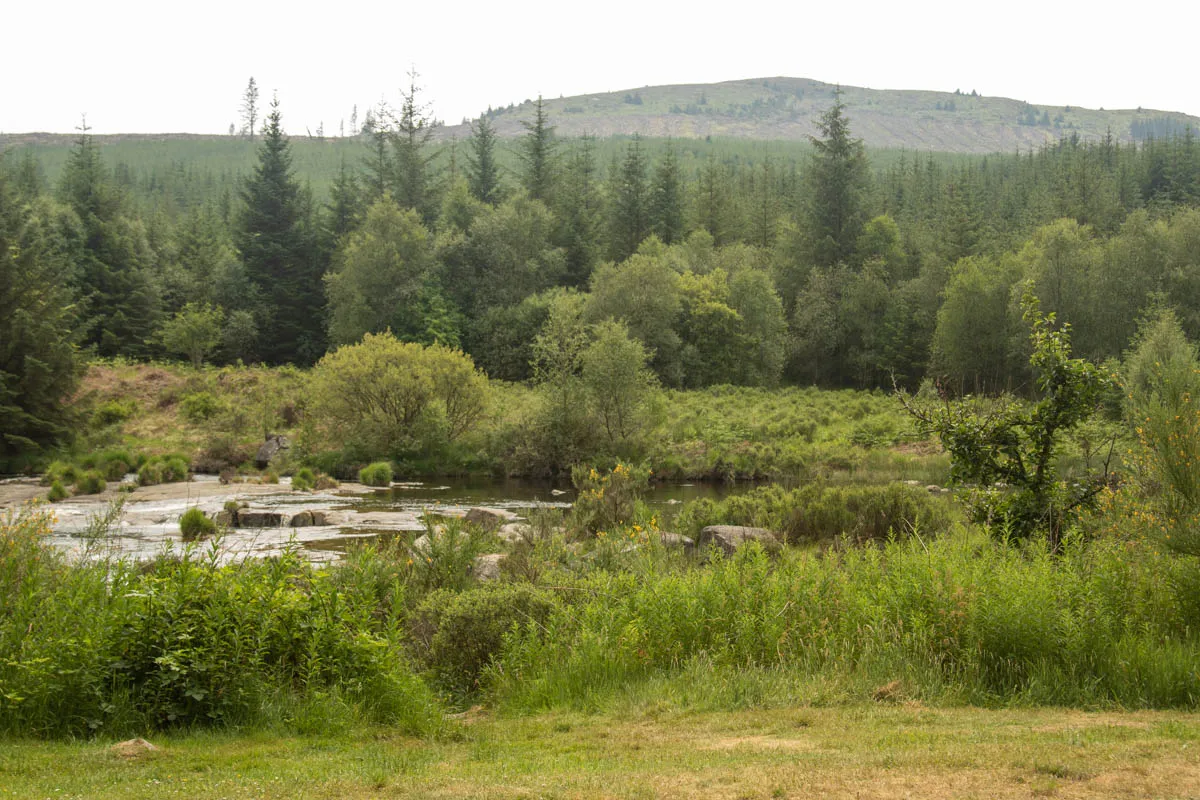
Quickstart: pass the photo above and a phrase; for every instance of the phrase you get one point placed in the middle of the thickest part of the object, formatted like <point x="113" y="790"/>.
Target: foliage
<point x="607" y="501"/>
<point x="39" y="368"/>
<point x="199" y="406"/>
<point x="57" y="492"/>
<point x="619" y="386"/>
<point x="304" y="480"/>
<point x="1162" y="373"/>
<point x="377" y="474"/>
<point x="90" y="482"/>
<point x="1016" y="444"/>
<point x="182" y="641"/>
<point x="195" y="524"/>
<point x="459" y="634"/>
<point x="384" y="397"/>
<point x="194" y="331"/>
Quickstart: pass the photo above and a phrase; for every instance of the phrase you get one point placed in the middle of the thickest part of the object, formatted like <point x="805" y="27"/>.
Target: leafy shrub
<point x="184" y="642"/>
<point x="62" y="471"/>
<point x="116" y="464"/>
<point x="175" y="469"/>
<point x="90" y="482"/>
<point x="304" y="480"/>
<point x="387" y="397"/>
<point x="57" y="492"/>
<point x="195" y="524"/>
<point x="607" y="501"/>
<point x="150" y="474"/>
<point x="113" y="412"/>
<point x="377" y="474"/>
<point x="458" y="635"/>
<point x="200" y="406"/>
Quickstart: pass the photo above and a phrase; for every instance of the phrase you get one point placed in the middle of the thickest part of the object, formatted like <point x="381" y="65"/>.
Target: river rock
<point x="259" y="519"/>
<point x="487" y="568"/>
<point x="488" y="517"/>
<point x="273" y="446"/>
<point x="676" y="541"/>
<point x="226" y="519"/>
<point x="308" y="519"/>
<point x="730" y="538"/>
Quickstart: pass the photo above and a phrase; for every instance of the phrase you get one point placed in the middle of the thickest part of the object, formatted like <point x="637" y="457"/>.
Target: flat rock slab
<point x="488" y="517"/>
<point x="731" y="538"/>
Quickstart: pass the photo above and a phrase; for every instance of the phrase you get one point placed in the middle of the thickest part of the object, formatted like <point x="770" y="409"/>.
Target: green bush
<point x="90" y="482"/>
<point x="116" y="464"/>
<point x="195" y="524"/>
<point x="150" y="474"/>
<point x="200" y="406"/>
<point x="607" y="500"/>
<point x="57" y="492"/>
<point x="175" y="469"/>
<point x="62" y="471"/>
<point x="458" y="635"/>
<point x="181" y="641"/>
<point x="304" y="480"/>
<point x="377" y="474"/>
<point x="112" y="412"/>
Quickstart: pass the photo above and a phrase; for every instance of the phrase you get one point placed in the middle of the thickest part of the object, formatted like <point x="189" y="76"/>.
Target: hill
<point x="787" y="109"/>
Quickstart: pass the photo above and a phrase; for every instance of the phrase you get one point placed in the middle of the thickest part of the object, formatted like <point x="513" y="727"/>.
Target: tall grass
<point x="959" y="619"/>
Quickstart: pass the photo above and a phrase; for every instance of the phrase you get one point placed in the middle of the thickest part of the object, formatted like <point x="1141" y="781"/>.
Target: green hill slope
<point x="787" y="109"/>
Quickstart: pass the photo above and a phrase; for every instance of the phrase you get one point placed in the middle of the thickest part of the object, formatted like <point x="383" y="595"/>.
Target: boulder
<point x="226" y="519"/>
<point x="487" y="568"/>
<point x="730" y="538"/>
<point x="488" y="517"/>
<point x="259" y="519"/>
<point x="309" y="519"/>
<point x="676" y="541"/>
<point x="273" y="446"/>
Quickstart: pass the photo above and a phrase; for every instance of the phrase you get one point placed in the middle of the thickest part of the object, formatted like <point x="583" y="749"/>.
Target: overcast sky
<point x="136" y="66"/>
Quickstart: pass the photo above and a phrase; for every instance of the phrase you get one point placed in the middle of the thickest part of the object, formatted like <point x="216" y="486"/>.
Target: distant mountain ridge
<point x="788" y="108"/>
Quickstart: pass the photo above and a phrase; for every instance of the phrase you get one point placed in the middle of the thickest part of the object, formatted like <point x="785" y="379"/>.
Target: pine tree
<point x="250" y="109"/>
<point x="483" y="173"/>
<point x="666" y="198"/>
<point x="38" y="361"/>
<point x="835" y="213"/>
<point x="345" y="207"/>
<point x="120" y="297"/>
<point x="538" y="151"/>
<point x="379" y="177"/>
<point x="413" y="155"/>
<point x="275" y="237"/>
<point x="578" y="212"/>
<point x="629" y="222"/>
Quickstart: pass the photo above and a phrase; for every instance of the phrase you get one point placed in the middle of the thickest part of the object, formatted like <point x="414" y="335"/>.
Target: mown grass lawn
<point x="875" y="751"/>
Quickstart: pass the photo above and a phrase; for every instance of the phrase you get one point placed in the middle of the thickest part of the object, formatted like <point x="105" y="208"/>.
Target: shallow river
<point x="149" y="523"/>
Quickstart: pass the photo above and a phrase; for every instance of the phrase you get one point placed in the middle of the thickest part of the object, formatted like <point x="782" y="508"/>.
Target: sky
<point x="153" y="67"/>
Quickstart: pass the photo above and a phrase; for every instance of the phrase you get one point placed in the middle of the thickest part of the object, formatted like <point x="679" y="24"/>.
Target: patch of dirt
<point x="133" y="749"/>
<point x="760" y="742"/>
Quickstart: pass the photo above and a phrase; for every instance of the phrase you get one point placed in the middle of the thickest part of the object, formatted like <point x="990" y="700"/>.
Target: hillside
<point x="787" y="109"/>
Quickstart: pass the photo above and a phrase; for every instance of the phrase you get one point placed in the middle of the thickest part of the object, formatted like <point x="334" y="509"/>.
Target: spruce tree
<point x="538" y="152"/>
<point x="275" y="237"/>
<point x="413" y="155"/>
<point x="666" y="198"/>
<point x="835" y="211"/>
<point x="578" y="212"/>
<point x="483" y="173"/>
<point x="629" y="222"/>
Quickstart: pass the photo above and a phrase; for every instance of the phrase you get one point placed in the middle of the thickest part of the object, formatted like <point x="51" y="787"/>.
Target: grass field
<point x="864" y="751"/>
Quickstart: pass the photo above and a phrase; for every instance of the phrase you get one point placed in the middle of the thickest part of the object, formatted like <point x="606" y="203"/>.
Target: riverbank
<point x="864" y="750"/>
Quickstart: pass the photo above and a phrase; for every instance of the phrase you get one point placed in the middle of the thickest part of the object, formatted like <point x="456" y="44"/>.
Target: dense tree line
<point x="729" y="270"/>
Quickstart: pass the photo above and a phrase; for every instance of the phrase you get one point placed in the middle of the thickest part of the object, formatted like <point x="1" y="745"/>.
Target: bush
<point x="200" y="406"/>
<point x="112" y="412"/>
<point x="433" y="395"/>
<point x="62" y="471"/>
<point x="150" y="474"/>
<point x="377" y="474"/>
<point x="607" y="501"/>
<point x="57" y="492"/>
<point x="90" y="482"/>
<point x="195" y="524"/>
<point x="304" y="480"/>
<point x="175" y="469"/>
<point x="116" y="464"/>
<point x="458" y="635"/>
